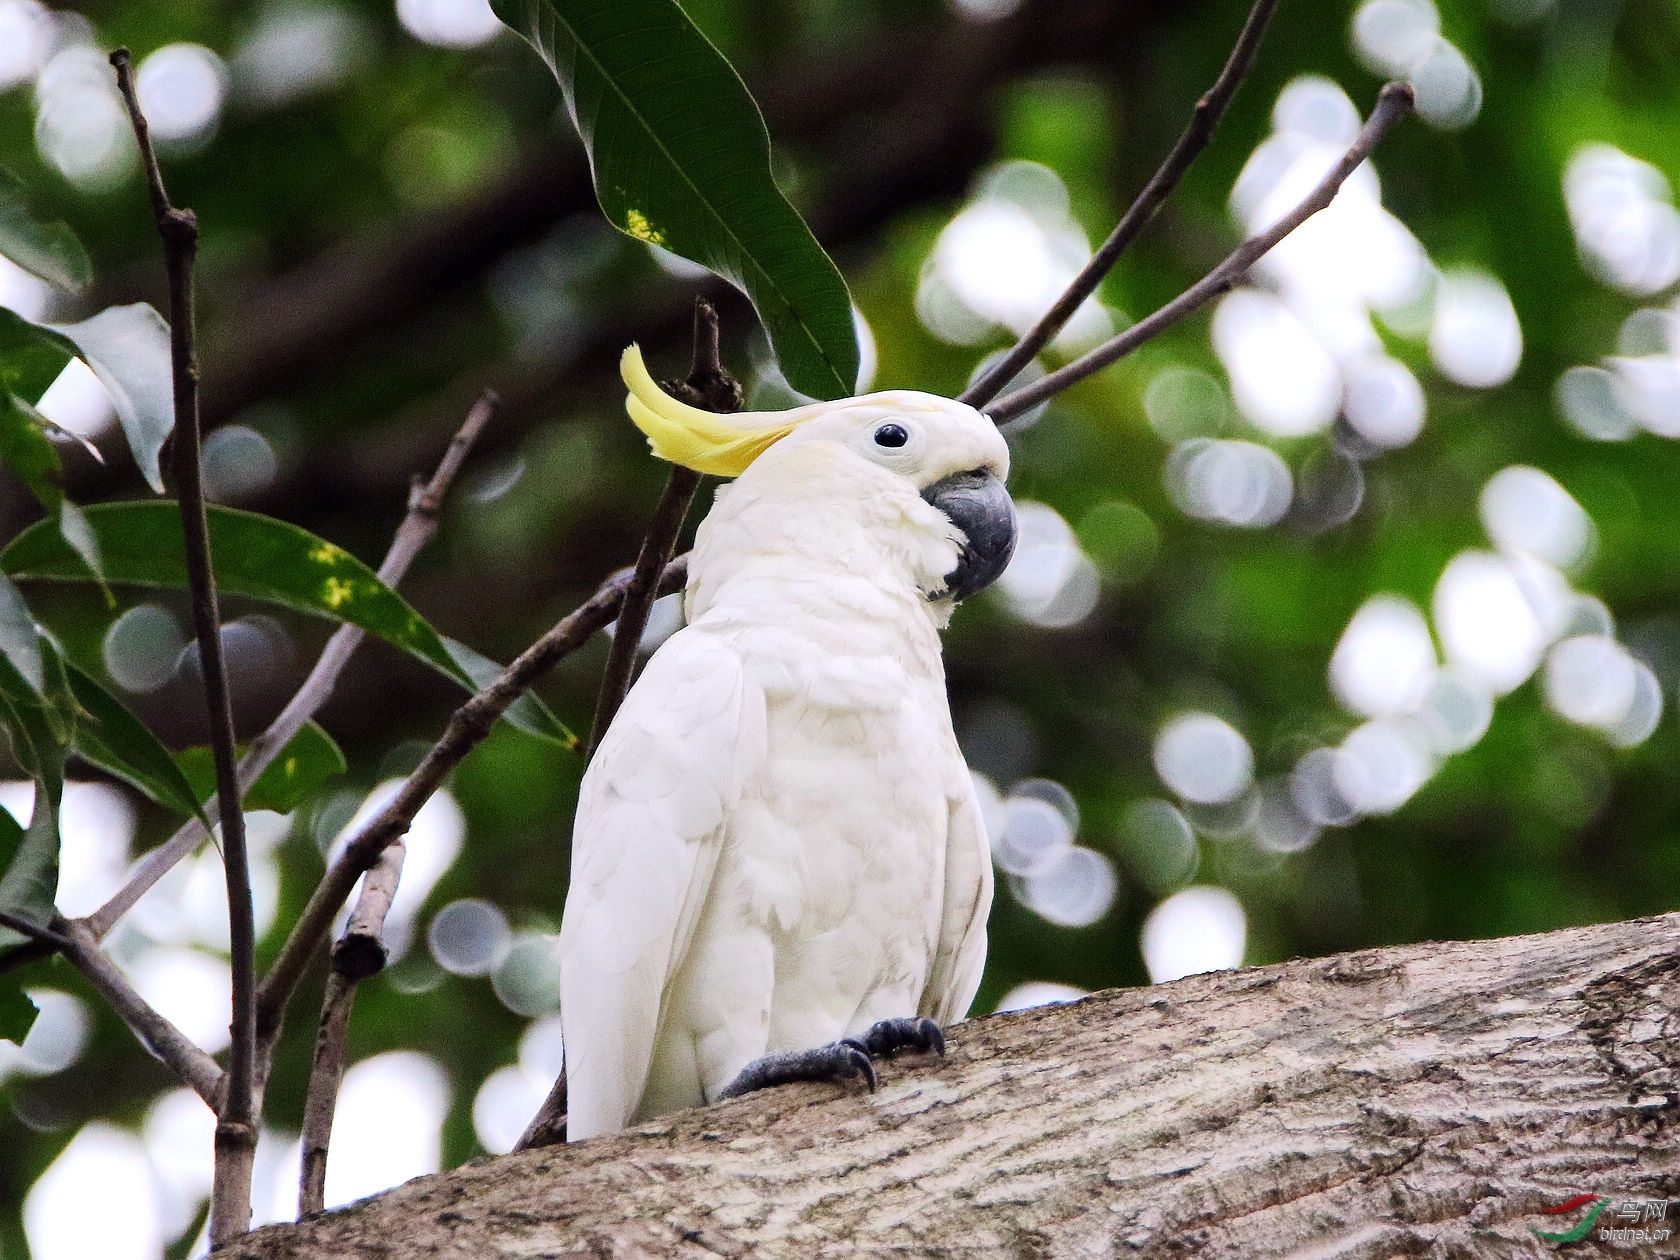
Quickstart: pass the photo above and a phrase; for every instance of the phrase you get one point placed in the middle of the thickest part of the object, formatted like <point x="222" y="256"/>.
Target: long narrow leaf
<point x="20" y="642"/>
<point x="26" y="450"/>
<point x="29" y="867"/>
<point x="50" y="250"/>
<point x="681" y="160"/>
<point x="113" y="739"/>
<point x="17" y="1012"/>
<point x="255" y="556"/>
<point x="31" y="357"/>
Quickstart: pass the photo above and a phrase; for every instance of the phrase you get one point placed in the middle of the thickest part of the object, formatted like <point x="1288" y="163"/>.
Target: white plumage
<point x="777" y="843"/>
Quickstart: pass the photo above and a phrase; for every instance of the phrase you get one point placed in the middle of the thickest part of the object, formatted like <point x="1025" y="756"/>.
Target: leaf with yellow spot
<point x="637" y="225"/>
<point x="255" y="556"/>
<point x="337" y="592"/>
<point x="681" y="159"/>
<point x="293" y="777"/>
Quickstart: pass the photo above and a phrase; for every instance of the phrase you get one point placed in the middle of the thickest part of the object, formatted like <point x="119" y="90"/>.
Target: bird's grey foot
<point x="892" y="1035"/>
<point x="838" y="1061"/>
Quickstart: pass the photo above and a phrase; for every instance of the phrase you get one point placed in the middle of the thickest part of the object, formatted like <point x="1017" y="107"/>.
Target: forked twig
<point x="1204" y="121"/>
<point x="360" y="953"/>
<point x="195" y="1068"/>
<point x="1394" y="103"/>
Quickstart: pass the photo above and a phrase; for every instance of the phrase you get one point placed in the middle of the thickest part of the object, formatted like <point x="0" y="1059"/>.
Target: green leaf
<point x="304" y="764"/>
<point x="113" y="739"/>
<point x="31" y="357"/>
<point x="30" y="883"/>
<point x="681" y="160"/>
<point x="255" y="556"/>
<point x="28" y="452"/>
<point x="128" y="349"/>
<point x="17" y="1012"/>
<point x="29" y="865"/>
<point x="49" y="250"/>
<point x="26" y="449"/>
<point x="528" y="713"/>
<point x="20" y="642"/>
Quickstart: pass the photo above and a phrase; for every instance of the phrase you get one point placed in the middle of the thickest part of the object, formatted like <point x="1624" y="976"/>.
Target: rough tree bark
<point x="1424" y="1100"/>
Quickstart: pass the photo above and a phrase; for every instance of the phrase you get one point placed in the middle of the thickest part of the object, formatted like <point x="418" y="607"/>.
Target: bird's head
<point x="950" y="454"/>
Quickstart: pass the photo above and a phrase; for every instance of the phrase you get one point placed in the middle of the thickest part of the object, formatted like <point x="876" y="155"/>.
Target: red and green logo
<point x="1580" y="1231"/>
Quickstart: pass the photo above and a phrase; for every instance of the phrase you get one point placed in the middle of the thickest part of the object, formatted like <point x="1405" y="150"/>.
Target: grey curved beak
<point x="977" y="504"/>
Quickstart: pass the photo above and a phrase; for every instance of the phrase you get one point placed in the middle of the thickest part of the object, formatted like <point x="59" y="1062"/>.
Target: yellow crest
<point x="701" y="440"/>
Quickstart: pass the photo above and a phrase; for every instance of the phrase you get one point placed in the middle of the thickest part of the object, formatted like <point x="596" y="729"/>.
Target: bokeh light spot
<point x="1384" y="662"/>
<point x="141" y="647"/>
<point x="181" y="88"/>
<point x="469" y="937"/>
<point x="1475" y="339"/>
<point x="238" y="462"/>
<point x="1196" y="930"/>
<point x="1203" y="758"/>
<point x="58" y="1220"/>
<point x="1524" y="509"/>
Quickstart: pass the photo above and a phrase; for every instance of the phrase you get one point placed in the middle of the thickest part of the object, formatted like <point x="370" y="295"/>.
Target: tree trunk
<point x="1426" y="1100"/>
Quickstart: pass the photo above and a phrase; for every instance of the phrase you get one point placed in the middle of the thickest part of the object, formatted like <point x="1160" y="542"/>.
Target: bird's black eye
<point x="892" y="436"/>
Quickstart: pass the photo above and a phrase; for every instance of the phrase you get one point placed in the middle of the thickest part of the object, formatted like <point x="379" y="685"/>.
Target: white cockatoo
<point x="779" y="867"/>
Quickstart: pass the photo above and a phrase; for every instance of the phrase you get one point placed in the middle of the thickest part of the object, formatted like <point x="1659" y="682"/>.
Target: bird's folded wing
<point x="651" y="819"/>
<point x="961" y="953"/>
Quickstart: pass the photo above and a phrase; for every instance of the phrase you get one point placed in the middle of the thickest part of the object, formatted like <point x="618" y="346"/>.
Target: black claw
<point x="839" y="1061"/>
<point x="892" y="1035"/>
<point x="861" y="1065"/>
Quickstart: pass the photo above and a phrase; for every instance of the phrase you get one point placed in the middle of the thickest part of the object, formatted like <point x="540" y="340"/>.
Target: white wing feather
<point x="650" y="820"/>
<point x="960" y="957"/>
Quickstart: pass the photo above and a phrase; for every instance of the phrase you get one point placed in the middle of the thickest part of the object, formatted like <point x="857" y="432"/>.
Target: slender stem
<point x="1204" y="121"/>
<point x="167" y="1042"/>
<point x="466" y="729"/>
<point x="1393" y="104"/>
<point x="235" y="1128"/>
<point x="658" y="546"/>
<point x="358" y="954"/>
<point x="46" y="937"/>
<point x="708" y="386"/>
<point x="412" y="535"/>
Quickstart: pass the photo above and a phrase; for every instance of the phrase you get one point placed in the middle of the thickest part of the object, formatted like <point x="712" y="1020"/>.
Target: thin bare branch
<point x="359" y="953"/>
<point x="45" y="937"/>
<point x="1204" y="121"/>
<point x="326" y="1073"/>
<point x="230" y="1212"/>
<point x="709" y="387"/>
<point x="167" y="1042"/>
<point x="412" y="535"/>
<point x="1393" y="104"/>
<point x="466" y="729"/>
<point x="658" y="546"/>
